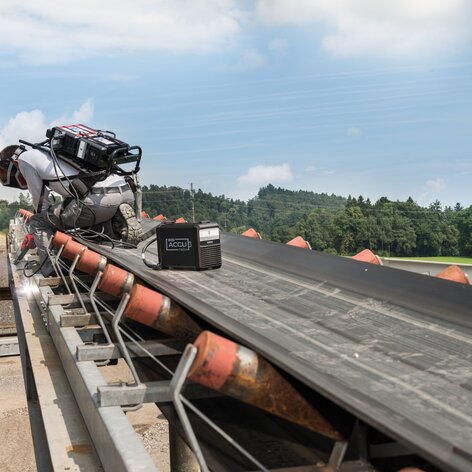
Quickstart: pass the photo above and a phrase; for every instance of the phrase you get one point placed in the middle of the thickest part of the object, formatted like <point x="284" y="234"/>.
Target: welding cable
<point x="27" y="267"/>
<point x="158" y="265"/>
<point x="81" y="232"/>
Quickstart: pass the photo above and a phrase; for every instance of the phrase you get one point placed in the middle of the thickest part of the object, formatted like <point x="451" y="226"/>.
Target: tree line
<point x="328" y="222"/>
<point x="8" y="210"/>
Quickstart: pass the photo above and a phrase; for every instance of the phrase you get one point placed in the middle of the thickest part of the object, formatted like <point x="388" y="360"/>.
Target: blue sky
<point x="346" y="97"/>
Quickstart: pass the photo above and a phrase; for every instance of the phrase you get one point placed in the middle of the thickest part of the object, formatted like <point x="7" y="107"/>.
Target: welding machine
<point x="192" y="246"/>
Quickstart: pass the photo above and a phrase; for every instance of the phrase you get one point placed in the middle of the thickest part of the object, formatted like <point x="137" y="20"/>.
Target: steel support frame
<point x="40" y="443"/>
<point x="117" y="444"/>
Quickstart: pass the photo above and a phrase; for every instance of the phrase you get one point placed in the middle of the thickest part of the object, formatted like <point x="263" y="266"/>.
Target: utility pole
<point x="192" y="196"/>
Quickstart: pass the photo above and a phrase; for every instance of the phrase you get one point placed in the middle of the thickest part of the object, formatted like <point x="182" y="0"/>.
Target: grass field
<point x="452" y="260"/>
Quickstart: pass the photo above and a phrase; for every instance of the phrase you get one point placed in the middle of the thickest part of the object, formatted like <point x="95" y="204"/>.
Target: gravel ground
<point x="7" y="317"/>
<point x="16" y="451"/>
<point x="154" y="431"/>
<point x="3" y="260"/>
<point x="148" y="421"/>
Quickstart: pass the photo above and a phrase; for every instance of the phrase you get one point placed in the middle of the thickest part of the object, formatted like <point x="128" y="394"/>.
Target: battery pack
<point x="191" y="246"/>
<point x="90" y="147"/>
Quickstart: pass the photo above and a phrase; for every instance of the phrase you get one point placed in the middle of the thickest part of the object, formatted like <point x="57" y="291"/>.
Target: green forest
<point x="329" y="222"/>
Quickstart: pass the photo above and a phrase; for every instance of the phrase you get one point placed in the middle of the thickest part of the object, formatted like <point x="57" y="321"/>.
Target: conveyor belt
<point x="392" y="347"/>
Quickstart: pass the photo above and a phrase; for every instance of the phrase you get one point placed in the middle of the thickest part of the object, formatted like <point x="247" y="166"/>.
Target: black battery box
<point x="192" y="246"/>
<point x="92" y="148"/>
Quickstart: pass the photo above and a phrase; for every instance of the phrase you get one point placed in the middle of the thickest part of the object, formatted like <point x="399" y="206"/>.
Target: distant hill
<point x="329" y="222"/>
<point x="271" y="210"/>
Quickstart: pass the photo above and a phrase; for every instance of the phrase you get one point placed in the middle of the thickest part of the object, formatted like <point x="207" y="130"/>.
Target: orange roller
<point x="60" y="239"/>
<point x="90" y="262"/>
<point x="153" y="309"/>
<point x="115" y="281"/>
<point x="144" y="214"/>
<point x="411" y="469"/>
<point x="236" y="371"/>
<point x="21" y="211"/>
<point x="159" y="217"/>
<point x="455" y="274"/>
<point x="367" y="256"/>
<point x="299" y="242"/>
<point x="72" y="249"/>
<point x="181" y="220"/>
<point x="251" y="233"/>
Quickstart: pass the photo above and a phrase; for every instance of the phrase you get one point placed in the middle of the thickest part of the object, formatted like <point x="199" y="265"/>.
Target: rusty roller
<point x="115" y="281"/>
<point x="25" y="213"/>
<point x="90" y="262"/>
<point x="153" y="309"/>
<point x="238" y="372"/>
<point x="60" y="239"/>
<point x="251" y="233"/>
<point x="72" y="249"/>
<point x="454" y="274"/>
<point x="368" y="256"/>
<point x="299" y="242"/>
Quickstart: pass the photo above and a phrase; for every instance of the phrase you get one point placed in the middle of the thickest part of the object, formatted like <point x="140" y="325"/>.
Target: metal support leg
<point x="175" y="388"/>
<point x="58" y="267"/>
<point x="362" y="441"/>
<point x="93" y="302"/>
<point x="98" y="315"/>
<point x="337" y="455"/>
<point x="115" y="322"/>
<point x="74" y="285"/>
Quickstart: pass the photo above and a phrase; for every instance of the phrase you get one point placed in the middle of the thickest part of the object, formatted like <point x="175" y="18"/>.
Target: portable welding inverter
<point x="192" y="246"/>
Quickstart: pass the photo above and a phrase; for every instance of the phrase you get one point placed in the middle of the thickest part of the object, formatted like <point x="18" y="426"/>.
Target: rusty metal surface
<point x="152" y="309"/>
<point x="175" y="322"/>
<point x="241" y="373"/>
<point x="391" y="347"/>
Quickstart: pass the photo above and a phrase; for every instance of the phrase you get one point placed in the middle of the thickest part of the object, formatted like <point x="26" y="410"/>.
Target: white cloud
<point x="43" y="32"/>
<point x="250" y="59"/>
<point x="311" y="169"/>
<point x="82" y="115"/>
<point x="436" y="184"/>
<point x="354" y="131"/>
<point x="31" y="125"/>
<point x="27" y="125"/>
<point x="262" y="175"/>
<point x="40" y="32"/>
<point x="433" y="187"/>
<point x="279" y="46"/>
<point x="379" y="27"/>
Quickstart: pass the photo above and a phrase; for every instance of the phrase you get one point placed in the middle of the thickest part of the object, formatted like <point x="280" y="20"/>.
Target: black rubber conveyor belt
<point x="392" y="347"/>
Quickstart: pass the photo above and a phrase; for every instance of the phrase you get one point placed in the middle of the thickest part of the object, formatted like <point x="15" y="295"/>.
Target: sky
<point x="351" y="97"/>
